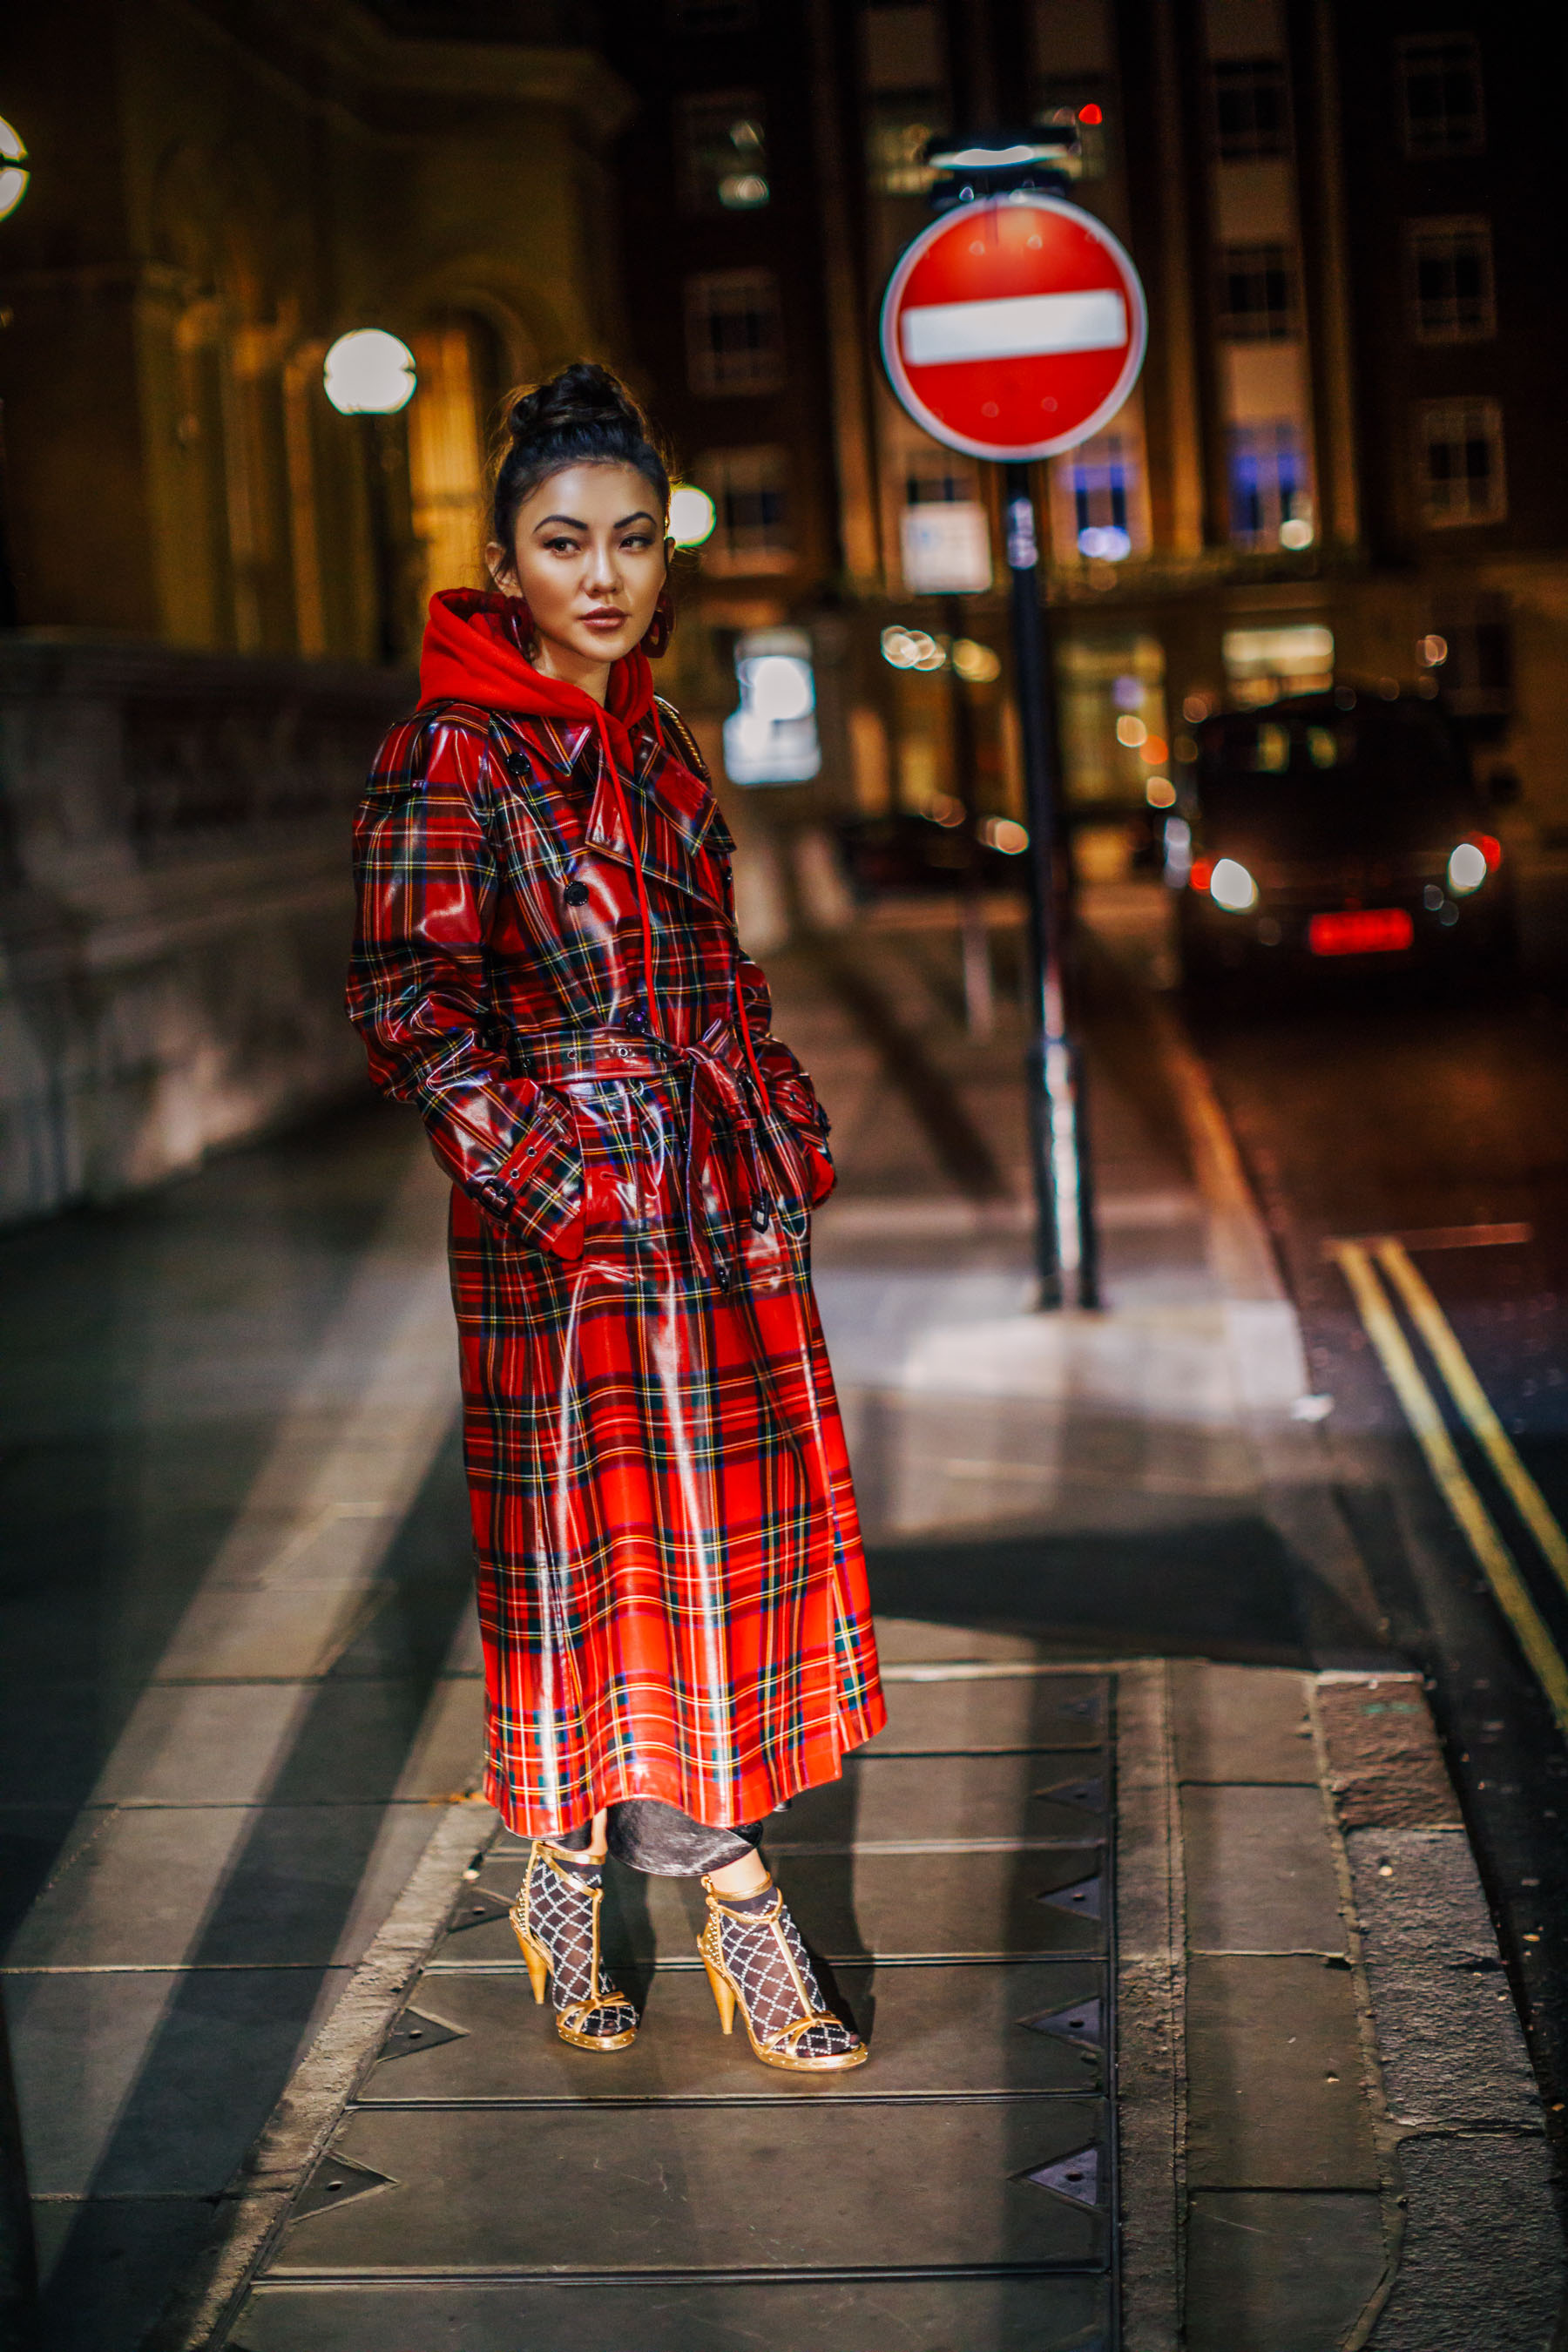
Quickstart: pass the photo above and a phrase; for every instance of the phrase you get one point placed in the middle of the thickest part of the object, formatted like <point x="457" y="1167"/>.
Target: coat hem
<point x="538" y="1821"/>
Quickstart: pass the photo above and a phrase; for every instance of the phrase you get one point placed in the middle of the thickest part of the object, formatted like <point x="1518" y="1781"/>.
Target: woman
<point x="671" y="1590"/>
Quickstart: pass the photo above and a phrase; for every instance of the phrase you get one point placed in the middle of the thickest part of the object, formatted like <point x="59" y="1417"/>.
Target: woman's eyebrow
<point x="571" y="521"/>
<point x="642" y="515"/>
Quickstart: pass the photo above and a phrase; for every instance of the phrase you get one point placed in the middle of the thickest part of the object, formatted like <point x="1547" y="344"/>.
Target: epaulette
<point x="684" y="740"/>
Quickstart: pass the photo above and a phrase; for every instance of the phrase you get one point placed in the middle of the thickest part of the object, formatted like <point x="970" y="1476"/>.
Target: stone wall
<point x="174" y="906"/>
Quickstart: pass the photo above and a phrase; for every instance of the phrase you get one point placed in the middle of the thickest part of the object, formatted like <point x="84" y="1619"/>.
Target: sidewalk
<point x="1188" y="2014"/>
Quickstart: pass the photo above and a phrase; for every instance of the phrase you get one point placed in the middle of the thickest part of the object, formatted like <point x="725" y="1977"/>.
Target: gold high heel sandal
<point x="756" y="1962"/>
<point x="558" y="1941"/>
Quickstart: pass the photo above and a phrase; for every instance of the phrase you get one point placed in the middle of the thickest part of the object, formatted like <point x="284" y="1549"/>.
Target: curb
<point x="255" y="2203"/>
<point x="1265" y="1334"/>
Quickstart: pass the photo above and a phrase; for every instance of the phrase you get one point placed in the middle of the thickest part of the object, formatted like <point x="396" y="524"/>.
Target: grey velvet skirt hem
<point x="662" y="1841"/>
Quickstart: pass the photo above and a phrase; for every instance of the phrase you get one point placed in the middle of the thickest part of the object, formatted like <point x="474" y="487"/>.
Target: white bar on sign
<point x="1018" y="327"/>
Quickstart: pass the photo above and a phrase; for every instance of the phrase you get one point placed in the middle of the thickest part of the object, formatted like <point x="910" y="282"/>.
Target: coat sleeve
<point x="427" y="886"/>
<point x="793" y="1096"/>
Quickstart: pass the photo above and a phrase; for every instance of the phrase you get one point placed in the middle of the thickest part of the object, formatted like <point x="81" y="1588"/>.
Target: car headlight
<point x="1232" y="886"/>
<point x="1467" y="868"/>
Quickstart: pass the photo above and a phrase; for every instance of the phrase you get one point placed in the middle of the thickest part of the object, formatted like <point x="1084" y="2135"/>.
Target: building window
<point x="1101" y="478"/>
<point x="750" y="490"/>
<point x="1451" y="281"/>
<point x="735" y="340"/>
<point x="722" y="144"/>
<point x="1250" y="118"/>
<point x="1460" y="462"/>
<point x="1270" y="500"/>
<point x="1440" y="94"/>
<point x="711" y="15"/>
<point x="896" y="139"/>
<point x="1473" y="661"/>
<point x="1256" y="294"/>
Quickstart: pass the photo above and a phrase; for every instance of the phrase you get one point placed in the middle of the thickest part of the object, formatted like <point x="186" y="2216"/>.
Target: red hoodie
<point x="474" y="651"/>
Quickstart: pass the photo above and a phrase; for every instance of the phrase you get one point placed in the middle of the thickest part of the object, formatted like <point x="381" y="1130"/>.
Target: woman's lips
<point x="605" y="620"/>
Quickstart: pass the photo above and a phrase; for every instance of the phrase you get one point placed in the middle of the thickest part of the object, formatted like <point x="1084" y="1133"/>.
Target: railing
<point x="174" y="905"/>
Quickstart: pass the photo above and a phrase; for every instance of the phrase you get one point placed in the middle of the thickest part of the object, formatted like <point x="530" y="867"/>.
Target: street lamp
<point x="371" y="375"/>
<point x="14" y="172"/>
<point x="14" y="178"/>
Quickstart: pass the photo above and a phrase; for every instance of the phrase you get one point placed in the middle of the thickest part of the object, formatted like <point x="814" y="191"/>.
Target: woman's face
<point x="589" y="558"/>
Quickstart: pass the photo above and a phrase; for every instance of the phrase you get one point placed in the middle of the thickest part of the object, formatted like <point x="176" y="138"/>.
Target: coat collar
<point x="682" y="835"/>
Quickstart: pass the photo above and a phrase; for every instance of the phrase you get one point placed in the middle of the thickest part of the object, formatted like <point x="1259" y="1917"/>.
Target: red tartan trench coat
<point x="671" y="1589"/>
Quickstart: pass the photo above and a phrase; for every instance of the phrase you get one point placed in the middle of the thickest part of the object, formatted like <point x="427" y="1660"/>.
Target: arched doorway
<point x="463" y="374"/>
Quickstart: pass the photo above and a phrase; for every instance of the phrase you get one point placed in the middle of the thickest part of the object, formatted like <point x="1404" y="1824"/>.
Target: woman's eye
<point x="560" y="546"/>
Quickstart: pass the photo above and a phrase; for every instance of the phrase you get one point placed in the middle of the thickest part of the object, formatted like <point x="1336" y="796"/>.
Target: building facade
<point x="222" y="187"/>
<point x="1340" y="459"/>
<point x="217" y="577"/>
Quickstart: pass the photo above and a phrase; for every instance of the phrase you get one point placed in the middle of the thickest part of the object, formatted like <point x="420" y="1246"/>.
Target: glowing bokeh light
<point x="692" y="515"/>
<point x="14" y="172"/>
<point x="1232" y="886"/>
<point x="369" y="374"/>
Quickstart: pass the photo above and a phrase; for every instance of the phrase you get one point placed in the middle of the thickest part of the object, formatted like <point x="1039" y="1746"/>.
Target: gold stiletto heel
<point x="538" y="1967"/>
<point x="756" y="1962"/>
<point x="550" y="1898"/>
<point x="723" y="1995"/>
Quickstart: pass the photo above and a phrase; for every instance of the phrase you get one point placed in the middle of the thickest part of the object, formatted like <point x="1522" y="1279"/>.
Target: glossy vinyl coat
<point x="671" y="1588"/>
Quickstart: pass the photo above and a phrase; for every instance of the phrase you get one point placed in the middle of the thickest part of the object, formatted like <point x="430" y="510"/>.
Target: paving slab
<point x="1242" y="1724"/>
<point x="1275" y="2093"/>
<point x="153" y="2080"/>
<point x="772" y="2186"/>
<point x="926" y="2314"/>
<point x="106" y="2263"/>
<point x="960" y="1905"/>
<point x="1260" y="1871"/>
<point x="958" y="2029"/>
<point x="904" y="1641"/>
<point x="1273" y="2273"/>
<point x="1047" y="1795"/>
<point x="987" y="1714"/>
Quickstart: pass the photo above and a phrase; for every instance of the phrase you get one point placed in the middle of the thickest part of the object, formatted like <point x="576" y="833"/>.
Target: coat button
<point x="575" y="894"/>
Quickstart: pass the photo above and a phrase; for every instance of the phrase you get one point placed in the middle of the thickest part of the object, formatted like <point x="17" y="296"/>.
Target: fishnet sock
<point x="763" y="1978"/>
<point x="560" y="1916"/>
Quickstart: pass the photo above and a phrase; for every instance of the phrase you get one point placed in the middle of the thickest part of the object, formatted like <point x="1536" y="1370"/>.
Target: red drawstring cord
<point x="646" y="919"/>
<point x="618" y="789"/>
<point x="746" y="1039"/>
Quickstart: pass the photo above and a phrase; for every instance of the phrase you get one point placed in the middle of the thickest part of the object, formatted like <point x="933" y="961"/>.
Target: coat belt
<point x="720" y="1094"/>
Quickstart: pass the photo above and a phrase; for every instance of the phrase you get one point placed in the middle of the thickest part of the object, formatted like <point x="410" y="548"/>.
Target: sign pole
<point x="1012" y="329"/>
<point x="1064" y="1223"/>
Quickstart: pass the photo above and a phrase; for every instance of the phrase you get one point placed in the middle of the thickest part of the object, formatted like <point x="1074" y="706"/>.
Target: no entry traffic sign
<point x="1014" y="328"/>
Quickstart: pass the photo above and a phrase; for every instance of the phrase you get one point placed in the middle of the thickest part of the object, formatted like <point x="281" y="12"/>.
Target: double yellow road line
<point x="1366" y="1265"/>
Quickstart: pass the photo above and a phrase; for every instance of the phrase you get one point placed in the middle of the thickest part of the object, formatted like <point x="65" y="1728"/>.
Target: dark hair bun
<point x="582" y="417"/>
<point x="582" y="395"/>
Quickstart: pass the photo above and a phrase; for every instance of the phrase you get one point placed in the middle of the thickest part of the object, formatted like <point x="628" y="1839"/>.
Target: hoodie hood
<point x="475" y="651"/>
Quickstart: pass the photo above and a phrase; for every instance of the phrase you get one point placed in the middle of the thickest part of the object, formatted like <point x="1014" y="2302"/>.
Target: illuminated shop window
<point x="1270" y="485"/>
<point x="751" y="493"/>
<point x="1440" y="94"/>
<point x="1451" y="281"/>
<point x="734" y="338"/>
<point x="1256" y="294"/>
<point x="1460" y="461"/>
<point x="1251" y="116"/>
<point x="722" y="146"/>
